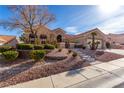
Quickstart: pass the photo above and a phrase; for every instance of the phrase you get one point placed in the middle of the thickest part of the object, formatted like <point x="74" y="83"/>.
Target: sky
<point x="77" y="19"/>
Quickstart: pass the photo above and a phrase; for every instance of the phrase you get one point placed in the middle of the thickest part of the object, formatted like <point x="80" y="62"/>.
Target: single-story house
<point x="59" y="35"/>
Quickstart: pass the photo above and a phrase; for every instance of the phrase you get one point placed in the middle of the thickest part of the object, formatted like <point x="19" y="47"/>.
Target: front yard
<point x="22" y="70"/>
<point x="42" y="62"/>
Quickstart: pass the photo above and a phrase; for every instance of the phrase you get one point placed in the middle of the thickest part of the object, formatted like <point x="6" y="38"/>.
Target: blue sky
<point x="77" y="19"/>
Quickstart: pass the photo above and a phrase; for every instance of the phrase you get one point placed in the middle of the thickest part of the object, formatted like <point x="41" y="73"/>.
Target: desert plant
<point x="25" y="46"/>
<point x="74" y="54"/>
<point x="69" y="51"/>
<point x="67" y="44"/>
<point x="5" y="48"/>
<point x="38" y="47"/>
<point x="108" y="45"/>
<point x="93" y="40"/>
<point x="78" y="46"/>
<point x="10" y="55"/>
<point x="37" y="54"/>
<point x="98" y="53"/>
<point x="83" y="47"/>
<point x="59" y="50"/>
<point x="49" y="46"/>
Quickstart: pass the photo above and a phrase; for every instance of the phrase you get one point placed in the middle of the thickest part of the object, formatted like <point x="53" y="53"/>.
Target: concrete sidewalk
<point x="107" y="74"/>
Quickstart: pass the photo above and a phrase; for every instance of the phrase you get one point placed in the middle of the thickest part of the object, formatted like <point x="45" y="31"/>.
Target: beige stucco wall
<point x="85" y="38"/>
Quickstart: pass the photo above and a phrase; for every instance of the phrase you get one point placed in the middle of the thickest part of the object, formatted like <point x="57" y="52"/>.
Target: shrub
<point x="69" y="51"/>
<point x="5" y="48"/>
<point x="49" y="46"/>
<point x="10" y="55"/>
<point x="78" y="46"/>
<point x="108" y="45"/>
<point x="74" y="54"/>
<point x="98" y="53"/>
<point x="25" y="46"/>
<point x="83" y="47"/>
<point x="56" y="45"/>
<point x="67" y="44"/>
<point x="38" y="47"/>
<point x="37" y="54"/>
<point x="60" y="50"/>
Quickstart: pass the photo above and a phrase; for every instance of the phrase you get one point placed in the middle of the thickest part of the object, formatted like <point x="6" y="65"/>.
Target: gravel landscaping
<point x="107" y="56"/>
<point x="30" y="70"/>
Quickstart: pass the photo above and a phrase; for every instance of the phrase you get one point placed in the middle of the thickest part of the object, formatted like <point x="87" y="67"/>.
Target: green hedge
<point x="37" y="54"/>
<point x="5" y="48"/>
<point x="25" y="46"/>
<point x="49" y="46"/>
<point x="38" y="47"/>
<point x="10" y="55"/>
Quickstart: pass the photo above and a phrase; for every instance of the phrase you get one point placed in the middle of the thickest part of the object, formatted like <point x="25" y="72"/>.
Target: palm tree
<point x="93" y="40"/>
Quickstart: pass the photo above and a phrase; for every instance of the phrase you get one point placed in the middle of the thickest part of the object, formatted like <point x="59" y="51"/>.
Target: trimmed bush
<point x="78" y="46"/>
<point x="25" y="46"/>
<point x="99" y="53"/>
<point x="38" y="47"/>
<point x="74" y="54"/>
<point x="37" y="54"/>
<point x="5" y="48"/>
<point x="10" y="55"/>
<point x="108" y="45"/>
<point x="59" y="50"/>
<point x="49" y="46"/>
<point x="69" y="51"/>
<point x="83" y="47"/>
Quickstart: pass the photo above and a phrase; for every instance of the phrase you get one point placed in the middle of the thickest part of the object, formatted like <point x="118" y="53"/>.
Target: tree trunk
<point x="93" y="42"/>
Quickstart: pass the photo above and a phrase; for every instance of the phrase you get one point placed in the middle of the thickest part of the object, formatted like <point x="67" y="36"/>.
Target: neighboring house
<point x="116" y="38"/>
<point x="8" y="40"/>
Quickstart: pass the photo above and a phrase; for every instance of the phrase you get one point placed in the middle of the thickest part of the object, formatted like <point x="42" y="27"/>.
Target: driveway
<point x="105" y="75"/>
<point x="117" y="51"/>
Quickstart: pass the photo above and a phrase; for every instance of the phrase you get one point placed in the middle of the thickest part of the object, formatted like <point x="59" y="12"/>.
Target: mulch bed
<point x="22" y="73"/>
<point x="107" y="56"/>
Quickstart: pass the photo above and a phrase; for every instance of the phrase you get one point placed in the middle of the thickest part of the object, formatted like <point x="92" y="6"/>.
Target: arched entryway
<point x="59" y="38"/>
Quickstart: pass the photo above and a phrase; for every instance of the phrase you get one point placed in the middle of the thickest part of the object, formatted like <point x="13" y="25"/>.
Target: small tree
<point x="93" y="40"/>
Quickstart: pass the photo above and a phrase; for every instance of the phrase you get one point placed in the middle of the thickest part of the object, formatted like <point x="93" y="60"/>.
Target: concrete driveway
<point x="107" y="75"/>
<point x="117" y="51"/>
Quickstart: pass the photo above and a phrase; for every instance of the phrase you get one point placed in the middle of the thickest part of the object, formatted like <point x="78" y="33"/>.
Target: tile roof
<point x="6" y="39"/>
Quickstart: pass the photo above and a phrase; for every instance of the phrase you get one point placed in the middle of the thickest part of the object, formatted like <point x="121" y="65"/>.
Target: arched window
<point x="59" y="38"/>
<point x="43" y="38"/>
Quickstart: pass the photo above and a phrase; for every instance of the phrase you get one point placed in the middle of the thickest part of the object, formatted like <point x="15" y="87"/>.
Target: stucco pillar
<point x="103" y="44"/>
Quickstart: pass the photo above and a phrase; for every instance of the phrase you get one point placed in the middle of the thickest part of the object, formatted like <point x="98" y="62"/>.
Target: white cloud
<point x="71" y="30"/>
<point x="113" y="25"/>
